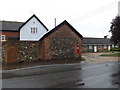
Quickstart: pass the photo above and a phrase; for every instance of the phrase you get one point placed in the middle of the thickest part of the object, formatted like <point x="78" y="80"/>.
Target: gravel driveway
<point x="96" y="58"/>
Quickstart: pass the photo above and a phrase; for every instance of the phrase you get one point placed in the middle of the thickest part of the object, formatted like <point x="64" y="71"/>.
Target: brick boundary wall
<point x="22" y="51"/>
<point x="51" y="48"/>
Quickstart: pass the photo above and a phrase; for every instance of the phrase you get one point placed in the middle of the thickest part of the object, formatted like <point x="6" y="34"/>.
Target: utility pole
<point x="55" y="22"/>
<point x="119" y="8"/>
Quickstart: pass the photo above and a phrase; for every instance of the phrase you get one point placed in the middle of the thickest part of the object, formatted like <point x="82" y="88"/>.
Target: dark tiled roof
<point x="97" y="41"/>
<point x="56" y="28"/>
<point x="10" y="25"/>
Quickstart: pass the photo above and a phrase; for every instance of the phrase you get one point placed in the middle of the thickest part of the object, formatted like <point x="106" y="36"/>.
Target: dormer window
<point x="34" y="30"/>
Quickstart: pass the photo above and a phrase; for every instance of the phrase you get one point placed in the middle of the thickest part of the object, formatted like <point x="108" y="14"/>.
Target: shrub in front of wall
<point x="115" y="49"/>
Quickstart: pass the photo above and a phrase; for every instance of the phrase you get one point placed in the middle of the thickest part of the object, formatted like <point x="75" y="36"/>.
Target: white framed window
<point x="90" y="47"/>
<point x="34" y="30"/>
<point x="105" y="46"/>
<point x="3" y="38"/>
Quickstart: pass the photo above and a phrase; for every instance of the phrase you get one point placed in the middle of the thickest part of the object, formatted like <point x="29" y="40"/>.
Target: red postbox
<point x="78" y="49"/>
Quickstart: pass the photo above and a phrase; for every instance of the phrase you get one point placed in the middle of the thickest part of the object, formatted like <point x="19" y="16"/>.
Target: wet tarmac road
<point x="63" y="76"/>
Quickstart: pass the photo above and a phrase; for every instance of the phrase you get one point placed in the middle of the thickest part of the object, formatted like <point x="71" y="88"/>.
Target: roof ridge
<point x="11" y="21"/>
<point x="56" y="28"/>
<point x="30" y="19"/>
<point x="94" y="38"/>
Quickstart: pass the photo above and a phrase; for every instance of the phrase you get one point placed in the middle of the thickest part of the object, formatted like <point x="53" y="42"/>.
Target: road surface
<point x="80" y="75"/>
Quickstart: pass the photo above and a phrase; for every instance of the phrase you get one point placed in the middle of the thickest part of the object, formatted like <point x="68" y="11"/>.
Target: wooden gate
<point x="11" y="52"/>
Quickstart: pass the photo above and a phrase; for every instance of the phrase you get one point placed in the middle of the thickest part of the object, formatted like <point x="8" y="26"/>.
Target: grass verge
<point x="111" y="54"/>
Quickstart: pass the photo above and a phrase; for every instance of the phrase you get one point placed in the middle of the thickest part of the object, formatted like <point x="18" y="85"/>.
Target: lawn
<point x="111" y="54"/>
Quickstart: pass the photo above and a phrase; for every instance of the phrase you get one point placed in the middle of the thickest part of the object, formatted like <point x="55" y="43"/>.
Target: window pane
<point x="36" y="30"/>
<point x="90" y="47"/>
<point x="31" y="30"/>
<point x="2" y="37"/>
<point x="105" y="46"/>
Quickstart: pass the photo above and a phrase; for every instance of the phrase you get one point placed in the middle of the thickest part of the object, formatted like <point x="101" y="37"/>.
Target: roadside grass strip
<point x="111" y="54"/>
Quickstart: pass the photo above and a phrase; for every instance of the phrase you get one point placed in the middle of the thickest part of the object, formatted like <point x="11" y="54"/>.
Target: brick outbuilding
<point x="62" y="42"/>
<point x="9" y="29"/>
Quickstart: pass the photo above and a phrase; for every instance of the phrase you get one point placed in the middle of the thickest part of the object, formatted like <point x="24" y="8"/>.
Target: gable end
<point x="57" y="27"/>
<point x="30" y="19"/>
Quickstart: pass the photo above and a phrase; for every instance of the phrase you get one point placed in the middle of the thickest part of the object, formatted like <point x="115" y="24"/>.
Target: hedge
<point x="115" y="49"/>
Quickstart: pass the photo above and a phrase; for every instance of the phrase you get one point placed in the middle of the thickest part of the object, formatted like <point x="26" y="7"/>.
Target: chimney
<point x="105" y="37"/>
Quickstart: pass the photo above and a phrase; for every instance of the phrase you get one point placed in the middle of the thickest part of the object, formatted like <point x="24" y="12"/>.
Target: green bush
<point x="82" y="59"/>
<point x="115" y="49"/>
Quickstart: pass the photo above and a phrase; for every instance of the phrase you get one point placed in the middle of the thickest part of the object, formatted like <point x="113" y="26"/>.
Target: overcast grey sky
<point x="90" y="17"/>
